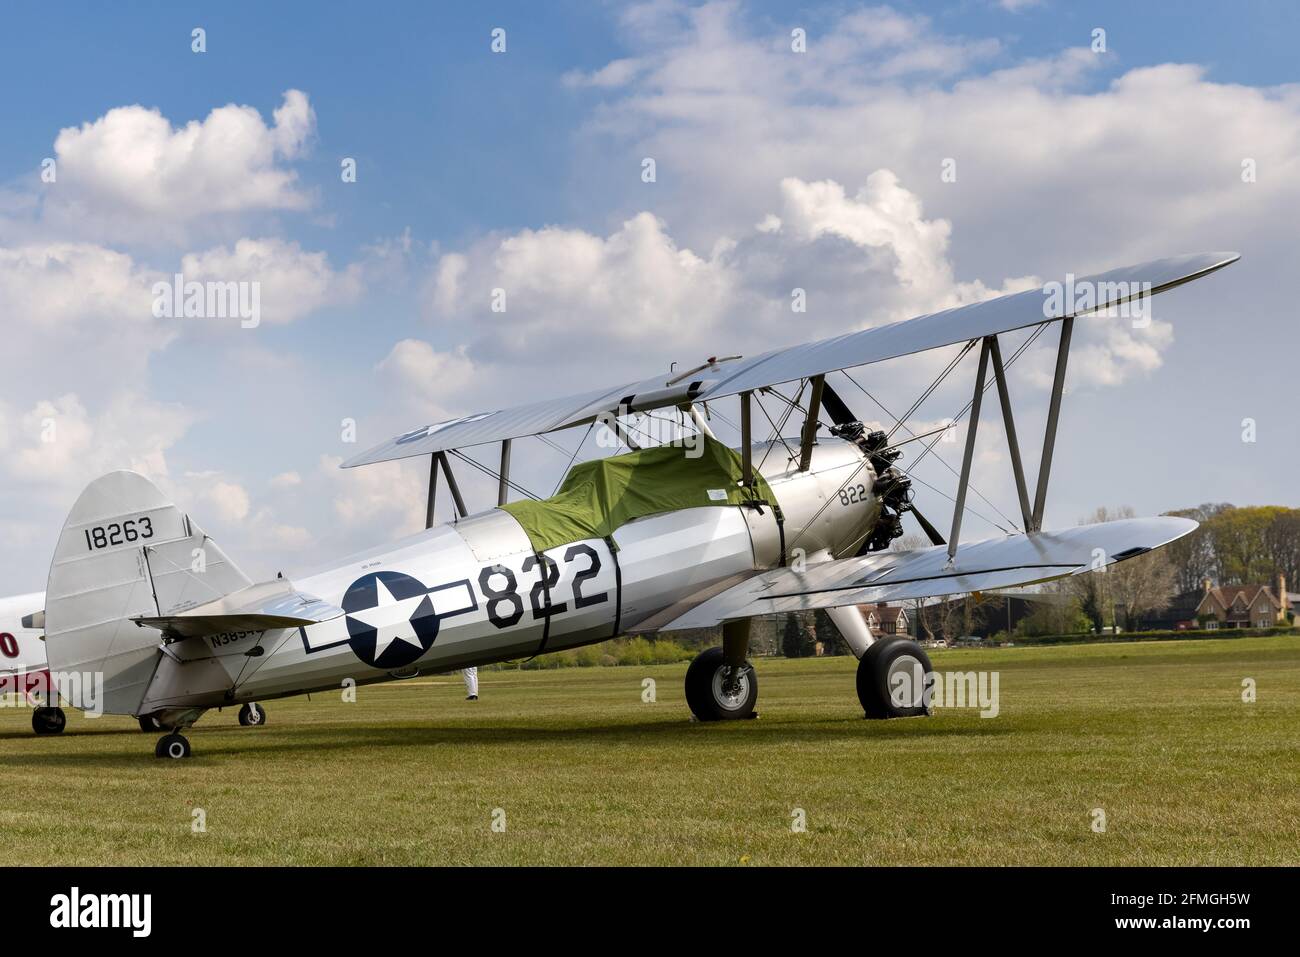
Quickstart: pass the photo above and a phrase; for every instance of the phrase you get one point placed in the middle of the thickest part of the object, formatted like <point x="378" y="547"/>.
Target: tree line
<point x="1237" y="546"/>
<point x="1232" y="546"/>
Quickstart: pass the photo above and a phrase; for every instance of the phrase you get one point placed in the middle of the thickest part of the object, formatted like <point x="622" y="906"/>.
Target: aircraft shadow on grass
<point x="686" y="735"/>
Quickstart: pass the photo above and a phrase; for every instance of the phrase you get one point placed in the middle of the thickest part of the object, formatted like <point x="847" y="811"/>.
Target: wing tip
<point x="1222" y="257"/>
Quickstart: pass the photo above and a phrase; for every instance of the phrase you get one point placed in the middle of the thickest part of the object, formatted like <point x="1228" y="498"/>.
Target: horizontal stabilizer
<point x="926" y="573"/>
<point x="261" y="607"/>
<point x="128" y="554"/>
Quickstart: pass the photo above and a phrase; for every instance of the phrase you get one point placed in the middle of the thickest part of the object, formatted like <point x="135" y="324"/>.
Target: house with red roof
<point x="886" y="619"/>
<point x="1243" y="606"/>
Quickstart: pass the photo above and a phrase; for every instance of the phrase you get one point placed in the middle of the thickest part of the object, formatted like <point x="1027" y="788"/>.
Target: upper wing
<point x="727" y="377"/>
<point x="531" y="419"/>
<point x="924" y="572"/>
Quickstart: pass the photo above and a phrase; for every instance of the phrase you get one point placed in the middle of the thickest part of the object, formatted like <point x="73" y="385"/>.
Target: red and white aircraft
<point x="25" y="671"/>
<point x="23" y="668"/>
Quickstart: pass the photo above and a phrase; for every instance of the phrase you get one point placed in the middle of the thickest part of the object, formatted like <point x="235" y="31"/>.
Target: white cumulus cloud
<point x="293" y="282"/>
<point x="131" y="171"/>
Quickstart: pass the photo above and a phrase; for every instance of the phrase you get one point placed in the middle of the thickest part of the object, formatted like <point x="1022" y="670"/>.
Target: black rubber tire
<point x="252" y="715"/>
<point x="874" y="691"/>
<point x="149" y="724"/>
<point x="49" y="720"/>
<point x="172" y="745"/>
<point x="700" y="692"/>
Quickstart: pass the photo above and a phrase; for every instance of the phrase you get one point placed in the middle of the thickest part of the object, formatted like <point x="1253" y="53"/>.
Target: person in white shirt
<point x="471" y="683"/>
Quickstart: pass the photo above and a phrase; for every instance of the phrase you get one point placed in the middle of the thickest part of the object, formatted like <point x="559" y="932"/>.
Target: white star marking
<point x="391" y="618"/>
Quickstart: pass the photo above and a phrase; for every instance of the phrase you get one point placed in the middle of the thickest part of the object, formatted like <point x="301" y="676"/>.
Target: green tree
<point x="832" y="641"/>
<point x="1254" y="545"/>
<point x="1193" y="555"/>
<point x="1060" y="617"/>
<point x="794" y="638"/>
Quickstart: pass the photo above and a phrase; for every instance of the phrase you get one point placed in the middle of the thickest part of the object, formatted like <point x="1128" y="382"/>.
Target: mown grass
<point x="585" y="772"/>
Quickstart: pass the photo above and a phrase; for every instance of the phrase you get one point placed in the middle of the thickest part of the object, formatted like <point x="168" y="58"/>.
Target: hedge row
<point x="620" y="651"/>
<point x="1190" y="634"/>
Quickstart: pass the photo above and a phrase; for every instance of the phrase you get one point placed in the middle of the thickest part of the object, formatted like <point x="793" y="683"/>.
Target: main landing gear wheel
<point x="172" y="746"/>
<point x="149" y="724"/>
<point x="716" y="691"/>
<point x="252" y="715"/>
<point x="891" y="679"/>
<point x="49" y="720"/>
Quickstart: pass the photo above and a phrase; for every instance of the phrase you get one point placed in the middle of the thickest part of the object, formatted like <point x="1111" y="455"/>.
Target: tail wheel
<point x="716" y="691"/>
<point x="173" y="746"/>
<point x="49" y="720"/>
<point x="252" y="715"/>
<point x="892" y="679"/>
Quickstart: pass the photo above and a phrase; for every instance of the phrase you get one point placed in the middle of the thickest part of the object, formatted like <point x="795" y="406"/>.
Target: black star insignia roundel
<point x="390" y="619"/>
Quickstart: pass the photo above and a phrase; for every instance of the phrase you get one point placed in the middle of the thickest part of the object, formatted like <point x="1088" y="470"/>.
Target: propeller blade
<point x="840" y="413"/>
<point x="931" y="532"/>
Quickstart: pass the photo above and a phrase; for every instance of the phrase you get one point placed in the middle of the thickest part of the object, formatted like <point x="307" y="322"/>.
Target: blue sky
<point x="1074" y="161"/>
<point x="456" y="142"/>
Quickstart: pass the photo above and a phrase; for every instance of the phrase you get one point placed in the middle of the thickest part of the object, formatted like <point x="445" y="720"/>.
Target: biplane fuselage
<point x="474" y="592"/>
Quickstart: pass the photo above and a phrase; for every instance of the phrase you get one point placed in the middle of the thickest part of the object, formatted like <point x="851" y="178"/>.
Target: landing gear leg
<point x="853" y="628"/>
<point x="174" y="745"/>
<point x="49" y="720"/>
<point x="720" y="683"/>
<point x="252" y="715"/>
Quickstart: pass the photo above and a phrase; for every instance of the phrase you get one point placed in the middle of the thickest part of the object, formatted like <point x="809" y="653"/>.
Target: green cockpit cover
<point x="599" y="496"/>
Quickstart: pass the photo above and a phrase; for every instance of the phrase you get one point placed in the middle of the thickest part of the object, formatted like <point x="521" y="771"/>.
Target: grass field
<point x="585" y="772"/>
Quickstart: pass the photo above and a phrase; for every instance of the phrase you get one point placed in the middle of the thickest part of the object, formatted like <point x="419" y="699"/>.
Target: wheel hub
<point x="731" y="687"/>
<point x="906" y="681"/>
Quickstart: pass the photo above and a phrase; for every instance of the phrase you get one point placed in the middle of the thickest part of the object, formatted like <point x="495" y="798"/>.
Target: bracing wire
<point x="573" y="458"/>
<point x="987" y="385"/>
<point x="492" y="473"/>
<point x="942" y="461"/>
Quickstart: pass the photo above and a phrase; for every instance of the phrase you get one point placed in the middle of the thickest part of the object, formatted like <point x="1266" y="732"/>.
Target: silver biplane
<point x="646" y="542"/>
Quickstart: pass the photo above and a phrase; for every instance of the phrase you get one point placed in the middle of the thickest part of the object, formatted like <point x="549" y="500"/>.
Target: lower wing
<point x="927" y="573"/>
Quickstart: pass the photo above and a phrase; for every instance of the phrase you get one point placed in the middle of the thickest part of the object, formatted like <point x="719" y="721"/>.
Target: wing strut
<point x="809" y="437"/>
<point x="1013" y="445"/>
<point x="433" y="490"/>
<point x="746" y="440"/>
<point x="436" y="460"/>
<point x="1053" y="417"/>
<point x="451" y="484"/>
<point x="503" y="486"/>
<point x="964" y="482"/>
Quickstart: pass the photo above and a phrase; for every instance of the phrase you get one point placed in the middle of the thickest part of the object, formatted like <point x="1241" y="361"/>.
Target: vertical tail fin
<point x="125" y="551"/>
